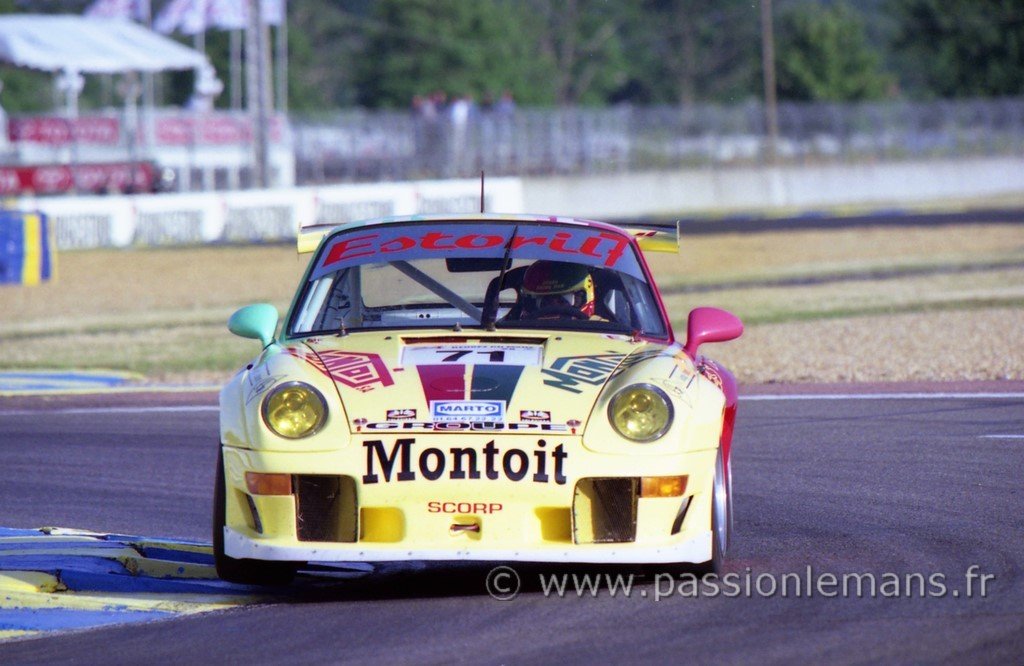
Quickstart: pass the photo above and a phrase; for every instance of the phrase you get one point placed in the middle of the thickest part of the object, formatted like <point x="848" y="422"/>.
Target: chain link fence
<point x="358" y="145"/>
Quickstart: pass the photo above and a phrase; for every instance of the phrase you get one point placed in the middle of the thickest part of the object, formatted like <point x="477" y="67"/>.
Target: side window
<point x="645" y="309"/>
<point x="330" y="302"/>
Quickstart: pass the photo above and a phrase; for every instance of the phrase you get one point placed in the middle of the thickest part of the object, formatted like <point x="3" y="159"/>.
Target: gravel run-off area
<point x="984" y="344"/>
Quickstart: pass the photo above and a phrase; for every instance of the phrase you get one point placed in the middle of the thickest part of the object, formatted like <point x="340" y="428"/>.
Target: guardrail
<point x="360" y="145"/>
<point x="209" y="151"/>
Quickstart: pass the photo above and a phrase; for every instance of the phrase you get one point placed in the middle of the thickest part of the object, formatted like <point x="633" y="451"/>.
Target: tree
<point x="960" y="48"/>
<point x="582" y="38"/>
<point x="418" y="46"/>
<point x="325" y="42"/>
<point x="696" y="50"/>
<point x="824" y="55"/>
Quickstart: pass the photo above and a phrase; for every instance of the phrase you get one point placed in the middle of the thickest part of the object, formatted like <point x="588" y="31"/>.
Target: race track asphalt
<point x="887" y="487"/>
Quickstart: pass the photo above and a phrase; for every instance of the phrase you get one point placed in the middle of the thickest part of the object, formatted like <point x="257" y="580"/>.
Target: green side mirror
<point x="257" y="321"/>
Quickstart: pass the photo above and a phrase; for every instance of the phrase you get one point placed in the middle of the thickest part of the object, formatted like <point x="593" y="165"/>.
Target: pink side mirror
<point x="710" y="325"/>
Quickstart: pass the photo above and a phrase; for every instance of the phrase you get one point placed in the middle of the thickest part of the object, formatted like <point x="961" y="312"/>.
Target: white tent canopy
<point x="58" y="43"/>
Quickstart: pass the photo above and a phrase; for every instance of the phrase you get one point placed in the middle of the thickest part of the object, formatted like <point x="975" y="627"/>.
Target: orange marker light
<point x="268" y="484"/>
<point x="662" y="486"/>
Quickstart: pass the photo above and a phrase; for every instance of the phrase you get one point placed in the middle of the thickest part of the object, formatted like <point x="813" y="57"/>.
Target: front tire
<point x="721" y="519"/>
<point x="244" y="571"/>
<point x="721" y="530"/>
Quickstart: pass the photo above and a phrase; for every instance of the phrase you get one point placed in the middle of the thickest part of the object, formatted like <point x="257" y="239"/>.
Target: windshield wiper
<point x="491" y="309"/>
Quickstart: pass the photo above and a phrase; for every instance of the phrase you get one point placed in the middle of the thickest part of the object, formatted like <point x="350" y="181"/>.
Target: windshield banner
<point x="592" y="246"/>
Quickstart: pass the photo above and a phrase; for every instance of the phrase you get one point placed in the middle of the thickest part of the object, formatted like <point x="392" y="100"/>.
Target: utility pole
<point x="258" y="91"/>
<point x="771" y="108"/>
<point x="281" y="35"/>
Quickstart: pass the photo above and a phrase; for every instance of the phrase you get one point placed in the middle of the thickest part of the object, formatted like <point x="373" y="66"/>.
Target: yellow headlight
<point x="294" y="410"/>
<point x="641" y="413"/>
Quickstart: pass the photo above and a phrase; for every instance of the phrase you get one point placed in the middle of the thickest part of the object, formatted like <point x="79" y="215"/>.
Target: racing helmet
<point x="551" y="284"/>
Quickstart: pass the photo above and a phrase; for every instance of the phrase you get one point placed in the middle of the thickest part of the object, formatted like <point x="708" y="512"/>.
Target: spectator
<point x="504" y="113"/>
<point x="419" y="133"/>
<point x="433" y="110"/>
<point x="460" y="112"/>
<point x="506" y="105"/>
<point x="206" y="89"/>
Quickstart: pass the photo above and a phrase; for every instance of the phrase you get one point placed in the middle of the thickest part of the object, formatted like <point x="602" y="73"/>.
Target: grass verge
<point x="162" y="313"/>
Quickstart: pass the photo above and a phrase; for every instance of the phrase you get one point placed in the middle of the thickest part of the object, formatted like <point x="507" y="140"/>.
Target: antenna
<point x="481" y="191"/>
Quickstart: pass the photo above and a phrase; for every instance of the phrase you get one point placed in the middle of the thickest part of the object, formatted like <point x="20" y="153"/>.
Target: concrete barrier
<point x="717" y="190"/>
<point x="255" y="215"/>
<point x="274" y="215"/>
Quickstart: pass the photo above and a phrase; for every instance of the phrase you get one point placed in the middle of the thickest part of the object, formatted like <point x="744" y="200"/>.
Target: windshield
<point x="490" y="275"/>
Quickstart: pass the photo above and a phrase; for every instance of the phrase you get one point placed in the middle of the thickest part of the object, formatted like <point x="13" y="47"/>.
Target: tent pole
<point x="148" y="105"/>
<point x="131" y="116"/>
<point x="144" y="13"/>
<point x="236" y="69"/>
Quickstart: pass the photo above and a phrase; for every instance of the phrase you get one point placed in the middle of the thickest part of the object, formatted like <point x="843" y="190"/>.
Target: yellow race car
<point x="475" y="387"/>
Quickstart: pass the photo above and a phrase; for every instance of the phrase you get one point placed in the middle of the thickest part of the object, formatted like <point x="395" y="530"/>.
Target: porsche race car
<point x="475" y="387"/>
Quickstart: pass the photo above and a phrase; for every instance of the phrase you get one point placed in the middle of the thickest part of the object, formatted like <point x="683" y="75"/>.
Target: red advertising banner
<point x="56" y="131"/>
<point x="209" y="130"/>
<point x="216" y="129"/>
<point x="83" y="178"/>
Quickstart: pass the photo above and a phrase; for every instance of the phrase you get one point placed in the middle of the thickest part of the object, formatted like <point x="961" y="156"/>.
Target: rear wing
<point x="309" y="237"/>
<point x="650" y="238"/>
<point x="655" y="238"/>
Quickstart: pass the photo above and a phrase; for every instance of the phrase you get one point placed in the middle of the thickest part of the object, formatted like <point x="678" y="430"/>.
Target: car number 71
<point x="471" y="354"/>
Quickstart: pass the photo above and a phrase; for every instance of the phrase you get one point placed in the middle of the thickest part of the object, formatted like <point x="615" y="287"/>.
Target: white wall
<point x="273" y="215"/>
<point x="255" y="215"/>
<point x="724" y="189"/>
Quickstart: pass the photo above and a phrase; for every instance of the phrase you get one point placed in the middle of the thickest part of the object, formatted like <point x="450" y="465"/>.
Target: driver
<point x="553" y="289"/>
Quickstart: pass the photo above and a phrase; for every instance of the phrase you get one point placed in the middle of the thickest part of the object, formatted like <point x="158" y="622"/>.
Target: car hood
<point x="414" y="381"/>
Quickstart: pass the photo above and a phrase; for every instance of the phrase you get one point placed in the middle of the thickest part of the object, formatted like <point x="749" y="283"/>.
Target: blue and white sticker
<point x="467" y="411"/>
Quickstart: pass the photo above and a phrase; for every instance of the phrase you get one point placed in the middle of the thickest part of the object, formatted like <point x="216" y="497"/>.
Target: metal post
<point x="256" y="75"/>
<point x="282" y="60"/>
<point x="266" y="106"/>
<point x="131" y="117"/>
<point x="148" y="86"/>
<point x="236" y="69"/>
<point x="771" y="113"/>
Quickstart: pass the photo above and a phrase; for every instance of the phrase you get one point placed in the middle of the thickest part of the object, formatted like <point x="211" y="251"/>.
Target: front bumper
<point x="695" y="548"/>
<point x="587" y="509"/>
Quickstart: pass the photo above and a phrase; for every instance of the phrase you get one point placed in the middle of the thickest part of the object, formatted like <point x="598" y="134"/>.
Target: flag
<point x="228" y="14"/>
<point x="119" y="9"/>
<point x="194" y="16"/>
<point x="186" y="16"/>
<point x="273" y="11"/>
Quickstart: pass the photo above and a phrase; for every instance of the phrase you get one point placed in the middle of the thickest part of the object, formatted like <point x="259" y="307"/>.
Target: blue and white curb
<point x="40" y="381"/>
<point x="76" y="382"/>
<point x="54" y="579"/>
